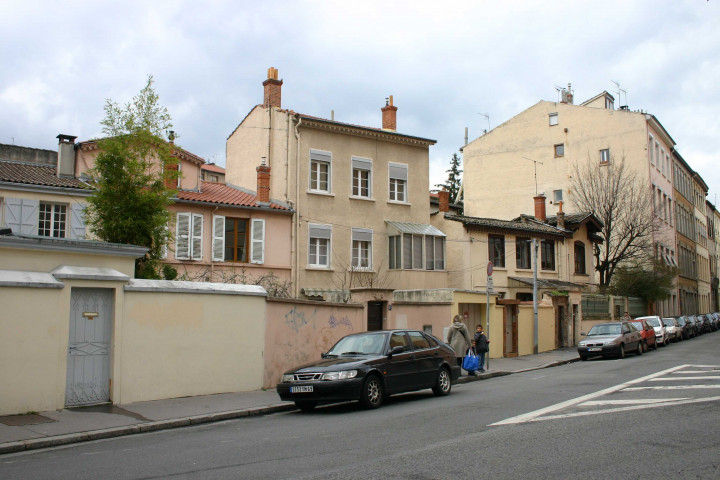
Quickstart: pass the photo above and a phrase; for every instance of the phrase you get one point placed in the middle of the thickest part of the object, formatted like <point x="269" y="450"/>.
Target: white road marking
<point x="527" y="417"/>
<point x="672" y="387"/>
<point x="637" y="401"/>
<point x="697" y="371"/>
<point x="673" y="379"/>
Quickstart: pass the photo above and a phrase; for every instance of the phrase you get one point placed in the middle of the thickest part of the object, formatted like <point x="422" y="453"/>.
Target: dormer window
<point x="609" y="104"/>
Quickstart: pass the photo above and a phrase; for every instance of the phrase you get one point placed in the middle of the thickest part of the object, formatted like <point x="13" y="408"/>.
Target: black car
<point x="687" y="328"/>
<point x="706" y="325"/>
<point x="370" y="366"/>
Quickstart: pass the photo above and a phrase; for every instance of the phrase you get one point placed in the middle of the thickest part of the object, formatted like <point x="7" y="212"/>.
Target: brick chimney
<point x="389" y="117"/>
<point x="444" y="197"/>
<point x="66" y="156"/>
<point x="540" y="207"/>
<point x="263" y="183"/>
<point x="560" y="216"/>
<point x="273" y="87"/>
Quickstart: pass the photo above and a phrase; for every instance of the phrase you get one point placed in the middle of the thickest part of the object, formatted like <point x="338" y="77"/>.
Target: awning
<point x="415" y="228"/>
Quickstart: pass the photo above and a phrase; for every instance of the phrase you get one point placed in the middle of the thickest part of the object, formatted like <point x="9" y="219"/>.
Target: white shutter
<point x="29" y="217"/>
<point x="77" y="221"/>
<point x="218" y="240"/>
<point x="258" y="241"/>
<point x="164" y="247"/>
<point x="182" y="237"/>
<point x="197" y="237"/>
<point x="13" y="213"/>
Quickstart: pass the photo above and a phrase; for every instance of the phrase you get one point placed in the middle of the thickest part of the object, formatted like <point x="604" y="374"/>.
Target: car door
<point x="400" y="369"/>
<point x="426" y="357"/>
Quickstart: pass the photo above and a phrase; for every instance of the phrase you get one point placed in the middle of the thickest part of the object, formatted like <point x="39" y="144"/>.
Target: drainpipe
<point x="296" y="225"/>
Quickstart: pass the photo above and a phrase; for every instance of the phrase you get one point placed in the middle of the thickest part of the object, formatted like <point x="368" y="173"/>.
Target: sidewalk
<point x="61" y="427"/>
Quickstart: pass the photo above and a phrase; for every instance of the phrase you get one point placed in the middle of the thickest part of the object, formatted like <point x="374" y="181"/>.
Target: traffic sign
<point x="490" y="269"/>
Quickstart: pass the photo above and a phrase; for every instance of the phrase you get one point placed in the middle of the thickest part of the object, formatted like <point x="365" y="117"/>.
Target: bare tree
<point x="348" y="277"/>
<point x="623" y="202"/>
<point x="274" y="285"/>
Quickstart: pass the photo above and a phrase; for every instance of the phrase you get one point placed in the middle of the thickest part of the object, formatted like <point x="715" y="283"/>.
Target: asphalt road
<point x="650" y="416"/>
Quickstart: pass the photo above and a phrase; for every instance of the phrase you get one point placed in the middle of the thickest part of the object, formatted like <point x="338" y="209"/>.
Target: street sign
<point x="490" y="269"/>
<point x="490" y="286"/>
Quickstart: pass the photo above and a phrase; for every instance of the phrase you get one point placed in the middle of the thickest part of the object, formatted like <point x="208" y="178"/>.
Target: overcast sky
<point x="447" y="64"/>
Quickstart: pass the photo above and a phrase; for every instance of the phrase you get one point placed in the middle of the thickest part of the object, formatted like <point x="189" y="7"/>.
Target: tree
<point x="131" y="177"/>
<point x="651" y="280"/>
<point x="615" y="195"/>
<point x="454" y="180"/>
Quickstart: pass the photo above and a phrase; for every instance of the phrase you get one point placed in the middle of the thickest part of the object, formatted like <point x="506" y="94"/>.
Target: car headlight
<point x="342" y="375"/>
<point x="287" y="378"/>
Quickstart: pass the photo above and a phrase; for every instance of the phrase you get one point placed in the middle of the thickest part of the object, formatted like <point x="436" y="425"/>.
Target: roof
<point x="229" y="195"/>
<point x="368" y="129"/>
<point x="521" y="225"/>
<point x="415" y="228"/>
<point x="36" y="174"/>
<point x="211" y="167"/>
<point x="577" y="219"/>
<point x="549" y="283"/>
<point x="176" y="150"/>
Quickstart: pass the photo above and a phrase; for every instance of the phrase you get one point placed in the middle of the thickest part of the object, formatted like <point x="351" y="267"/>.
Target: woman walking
<point x="458" y="338"/>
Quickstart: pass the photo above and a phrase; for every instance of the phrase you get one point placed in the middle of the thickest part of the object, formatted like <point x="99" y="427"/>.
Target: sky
<point x="449" y="65"/>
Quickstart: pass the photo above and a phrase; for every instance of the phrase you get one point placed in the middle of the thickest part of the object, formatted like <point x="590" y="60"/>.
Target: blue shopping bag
<point x="470" y="362"/>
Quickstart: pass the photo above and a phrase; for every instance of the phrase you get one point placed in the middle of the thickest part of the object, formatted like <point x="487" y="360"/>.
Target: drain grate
<point x="21" y="420"/>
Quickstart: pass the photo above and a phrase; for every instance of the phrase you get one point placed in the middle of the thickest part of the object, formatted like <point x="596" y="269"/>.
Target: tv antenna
<point x="536" y="164"/>
<point x="487" y="117"/>
<point x="620" y="91"/>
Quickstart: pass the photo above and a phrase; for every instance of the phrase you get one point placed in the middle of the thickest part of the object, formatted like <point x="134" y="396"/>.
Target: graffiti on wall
<point x="336" y="322"/>
<point x="296" y="319"/>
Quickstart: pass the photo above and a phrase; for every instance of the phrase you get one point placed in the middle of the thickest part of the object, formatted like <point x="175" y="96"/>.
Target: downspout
<point x="287" y="160"/>
<point x="296" y="226"/>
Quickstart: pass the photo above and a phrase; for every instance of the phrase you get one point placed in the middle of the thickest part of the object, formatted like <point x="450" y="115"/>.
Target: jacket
<point x="458" y="338"/>
<point x="481" y="342"/>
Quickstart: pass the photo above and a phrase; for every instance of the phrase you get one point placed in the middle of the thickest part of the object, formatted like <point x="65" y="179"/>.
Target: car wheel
<point x="621" y="351"/>
<point x="372" y="392"/>
<point x="639" y="350"/>
<point x="442" y="384"/>
<point x="645" y="347"/>
<point x="305" y="405"/>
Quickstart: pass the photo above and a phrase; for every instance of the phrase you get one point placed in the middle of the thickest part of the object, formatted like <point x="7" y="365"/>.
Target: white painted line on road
<point x="672" y="379"/>
<point x="696" y="371"/>
<point x="527" y="417"/>
<point x="637" y="401"/>
<point x="703" y="366"/>
<point x="671" y="387"/>
<point x="625" y="409"/>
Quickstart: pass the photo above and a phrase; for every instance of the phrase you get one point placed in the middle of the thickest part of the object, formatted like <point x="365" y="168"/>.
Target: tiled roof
<point x="211" y="167"/>
<point x="523" y="226"/>
<point x="374" y="129"/>
<point x="224" y="194"/>
<point x="36" y="174"/>
<point x="578" y="219"/>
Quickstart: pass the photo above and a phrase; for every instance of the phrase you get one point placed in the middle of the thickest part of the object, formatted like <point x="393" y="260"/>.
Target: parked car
<point x="707" y="324"/>
<point x="648" y="333"/>
<point x="661" y="334"/>
<point x="686" y="327"/>
<point x="370" y="366"/>
<point x="673" y="329"/>
<point x="611" y="339"/>
<point x="715" y="317"/>
<point x="695" y="323"/>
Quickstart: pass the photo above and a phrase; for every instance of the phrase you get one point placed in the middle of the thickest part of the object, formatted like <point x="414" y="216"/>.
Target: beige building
<point x="360" y="195"/>
<point x="684" y="195"/>
<point x="536" y="151"/>
<point x="700" y="190"/>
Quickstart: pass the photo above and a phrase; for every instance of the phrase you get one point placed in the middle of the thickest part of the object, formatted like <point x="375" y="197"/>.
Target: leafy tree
<point x="652" y="280"/>
<point x="624" y="204"/>
<point x="454" y="180"/>
<point x="131" y="177"/>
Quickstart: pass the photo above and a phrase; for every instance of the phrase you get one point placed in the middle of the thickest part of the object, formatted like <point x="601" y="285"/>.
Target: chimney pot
<point x="444" y="197"/>
<point x="389" y="115"/>
<point x="272" y="89"/>
<point x="540" y="207"/>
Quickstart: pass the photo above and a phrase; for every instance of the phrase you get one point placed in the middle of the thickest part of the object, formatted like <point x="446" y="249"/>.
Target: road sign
<point x="490" y="269"/>
<point x="490" y="286"/>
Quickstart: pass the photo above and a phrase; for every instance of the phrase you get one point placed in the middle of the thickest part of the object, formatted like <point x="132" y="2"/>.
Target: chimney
<point x="273" y="88"/>
<point x="389" y="120"/>
<point x="263" y="183"/>
<point x="567" y="95"/>
<point x="560" y="216"/>
<point x="444" y="197"/>
<point x="540" y="207"/>
<point x="66" y="156"/>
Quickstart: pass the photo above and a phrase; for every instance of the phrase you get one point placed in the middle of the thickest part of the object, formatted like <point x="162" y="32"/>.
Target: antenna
<point x="559" y="92"/>
<point x="488" y="120"/>
<point x="619" y="92"/>
<point x="536" y="163"/>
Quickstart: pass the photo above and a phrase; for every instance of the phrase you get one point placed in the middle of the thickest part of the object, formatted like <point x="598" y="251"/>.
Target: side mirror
<point x="396" y="350"/>
<point x="582" y="334"/>
<point x="323" y="355"/>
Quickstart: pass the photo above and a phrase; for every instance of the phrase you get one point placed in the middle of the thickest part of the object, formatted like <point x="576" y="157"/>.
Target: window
<point x="52" y="220"/>
<point x="553" y="119"/>
<point x="418" y="340"/>
<point x="560" y="150"/>
<point x="361" y="177"/>
<point x="605" y="156"/>
<point x="395" y="252"/>
<point x="522" y="252"/>
<point x="557" y="196"/>
<point x="580" y="258"/>
<point x="651" y="152"/>
<point x="236" y="239"/>
<point x="361" y="248"/>
<point x="409" y="252"/>
<point x="496" y="250"/>
<point x="319" y="245"/>
<point x="434" y="253"/>
<point x="320" y="171"/>
<point x="609" y="104"/>
<point x="189" y="236"/>
<point x="398" y="182"/>
<point x="547" y="251"/>
<point x="257" y="235"/>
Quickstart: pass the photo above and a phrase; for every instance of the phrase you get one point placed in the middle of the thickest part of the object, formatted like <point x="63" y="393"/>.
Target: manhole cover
<point x="20" y="420"/>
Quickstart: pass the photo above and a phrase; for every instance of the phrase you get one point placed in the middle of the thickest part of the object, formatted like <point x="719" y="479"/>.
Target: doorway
<point x="560" y="326"/>
<point x="511" y="331"/>
<point x="375" y="316"/>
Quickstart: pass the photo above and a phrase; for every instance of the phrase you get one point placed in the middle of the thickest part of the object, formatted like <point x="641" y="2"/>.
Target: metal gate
<point x="88" y="364"/>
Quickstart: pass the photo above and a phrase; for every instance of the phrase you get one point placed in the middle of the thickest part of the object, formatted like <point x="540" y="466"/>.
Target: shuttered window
<point x="361" y="248"/>
<point x="398" y="175"/>
<point x="258" y="241"/>
<point x="189" y="236"/>
<point x="319" y="245"/>
<point x="320" y="171"/>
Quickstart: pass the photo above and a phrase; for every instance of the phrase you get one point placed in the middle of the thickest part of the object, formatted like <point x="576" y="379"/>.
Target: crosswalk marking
<point x="636" y="401"/>
<point x="672" y="387"/>
<point x="672" y="379"/>
<point x="697" y="371"/>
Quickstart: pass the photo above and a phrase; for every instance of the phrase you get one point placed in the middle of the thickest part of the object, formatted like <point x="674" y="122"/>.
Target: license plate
<point x="595" y="349"/>
<point x="302" y="389"/>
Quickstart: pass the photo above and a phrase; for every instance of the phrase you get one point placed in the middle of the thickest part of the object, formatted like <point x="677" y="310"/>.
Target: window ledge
<point x="360" y="270"/>
<point x="319" y="268"/>
<point x="366" y="199"/>
<point x="395" y="202"/>
<point x="320" y="192"/>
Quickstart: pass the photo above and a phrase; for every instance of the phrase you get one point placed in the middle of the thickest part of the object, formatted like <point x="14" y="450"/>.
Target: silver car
<point x="611" y="339"/>
<point x="674" y="330"/>
<point x="661" y="334"/>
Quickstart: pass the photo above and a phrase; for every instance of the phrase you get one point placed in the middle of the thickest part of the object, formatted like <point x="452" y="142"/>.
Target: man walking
<point x="482" y="345"/>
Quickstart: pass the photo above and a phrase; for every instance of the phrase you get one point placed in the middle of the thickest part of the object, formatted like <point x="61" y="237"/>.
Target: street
<point x="650" y="416"/>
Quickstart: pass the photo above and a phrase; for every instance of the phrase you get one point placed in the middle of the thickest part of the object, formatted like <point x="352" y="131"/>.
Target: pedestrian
<point x="458" y="338"/>
<point x="482" y="346"/>
<point x="626" y="317"/>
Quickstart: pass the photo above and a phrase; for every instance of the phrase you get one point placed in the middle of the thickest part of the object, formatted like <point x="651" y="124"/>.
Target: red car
<point x="648" y="333"/>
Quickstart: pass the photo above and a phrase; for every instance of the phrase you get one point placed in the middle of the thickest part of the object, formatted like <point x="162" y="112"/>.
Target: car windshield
<point x="681" y="321"/>
<point x="654" y="322"/>
<point x="605" y="329"/>
<point x="363" y="344"/>
<point x="638" y="325"/>
<point x="668" y="322"/>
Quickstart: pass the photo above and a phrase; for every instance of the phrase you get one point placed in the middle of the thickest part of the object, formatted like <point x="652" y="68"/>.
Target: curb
<point x="60" y="440"/>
